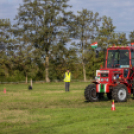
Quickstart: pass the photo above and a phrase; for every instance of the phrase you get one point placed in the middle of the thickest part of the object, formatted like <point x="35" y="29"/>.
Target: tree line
<point x="47" y="38"/>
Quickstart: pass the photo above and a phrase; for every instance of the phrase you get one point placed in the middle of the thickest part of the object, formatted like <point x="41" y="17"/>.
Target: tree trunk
<point x="83" y="65"/>
<point x="47" y="69"/>
<point x="84" y="72"/>
<point x="26" y="79"/>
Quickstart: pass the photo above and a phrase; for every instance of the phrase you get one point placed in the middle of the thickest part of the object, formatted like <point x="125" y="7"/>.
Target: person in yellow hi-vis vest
<point x="67" y="79"/>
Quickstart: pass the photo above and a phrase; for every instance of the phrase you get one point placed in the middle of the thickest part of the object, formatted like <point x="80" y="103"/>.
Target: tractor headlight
<point x="107" y="79"/>
<point x="102" y="79"/>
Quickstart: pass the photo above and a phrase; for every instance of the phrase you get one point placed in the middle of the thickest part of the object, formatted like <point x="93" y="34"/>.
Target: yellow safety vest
<point x="67" y="77"/>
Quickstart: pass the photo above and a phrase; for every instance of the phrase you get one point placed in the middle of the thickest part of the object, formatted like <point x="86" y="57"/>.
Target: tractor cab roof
<point x="120" y="47"/>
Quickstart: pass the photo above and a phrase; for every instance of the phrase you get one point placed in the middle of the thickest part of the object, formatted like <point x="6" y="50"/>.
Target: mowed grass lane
<point x="48" y="109"/>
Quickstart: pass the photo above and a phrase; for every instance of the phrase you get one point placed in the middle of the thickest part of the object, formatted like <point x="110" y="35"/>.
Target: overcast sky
<point x="121" y="11"/>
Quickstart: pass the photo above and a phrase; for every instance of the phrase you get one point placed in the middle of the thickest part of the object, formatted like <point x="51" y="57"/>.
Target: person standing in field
<point x="67" y="79"/>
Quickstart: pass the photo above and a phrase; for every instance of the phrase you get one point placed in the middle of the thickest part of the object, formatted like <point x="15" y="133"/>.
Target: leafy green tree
<point x="131" y="37"/>
<point x="85" y="26"/>
<point x="45" y="22"/>
<point x="106" y="35"/>
<point x="122" y="40"/>
<point x="62" y="60"/>
<point x="95" y="63"/>
<point x="26" y="58"/>
<point x="5" y="42"/>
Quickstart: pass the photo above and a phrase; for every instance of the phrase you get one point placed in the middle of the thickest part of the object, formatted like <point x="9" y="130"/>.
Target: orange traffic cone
<point x="4" y="90"/>
<point x="113" y="106"/>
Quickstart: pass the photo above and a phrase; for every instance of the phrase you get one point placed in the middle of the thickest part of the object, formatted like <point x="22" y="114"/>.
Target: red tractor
<point x="116" y="78"/>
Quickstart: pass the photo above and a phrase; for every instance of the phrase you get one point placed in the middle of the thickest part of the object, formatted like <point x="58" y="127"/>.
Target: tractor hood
<point x="113" y="75"/>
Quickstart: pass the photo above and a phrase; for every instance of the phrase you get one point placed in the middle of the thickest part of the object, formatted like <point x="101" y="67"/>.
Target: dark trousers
<point x="67" y="84"/>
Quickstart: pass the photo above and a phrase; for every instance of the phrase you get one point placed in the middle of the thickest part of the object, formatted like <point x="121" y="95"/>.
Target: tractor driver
<point x="124" y="59"/>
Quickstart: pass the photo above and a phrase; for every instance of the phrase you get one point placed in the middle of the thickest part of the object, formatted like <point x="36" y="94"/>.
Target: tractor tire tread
<point x="87" y="93"/>
<point x="115" y="93"/>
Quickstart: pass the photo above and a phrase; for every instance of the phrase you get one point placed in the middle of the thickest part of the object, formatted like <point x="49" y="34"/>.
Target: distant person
<point x="67" y="79"/>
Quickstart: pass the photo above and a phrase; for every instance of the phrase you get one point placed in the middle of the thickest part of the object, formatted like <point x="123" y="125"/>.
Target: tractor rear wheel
<point x="119" y="93"/>
<point x="90" y="93"/>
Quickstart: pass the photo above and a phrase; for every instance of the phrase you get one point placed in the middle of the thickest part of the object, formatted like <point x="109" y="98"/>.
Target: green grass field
<point x="48" y="109"/>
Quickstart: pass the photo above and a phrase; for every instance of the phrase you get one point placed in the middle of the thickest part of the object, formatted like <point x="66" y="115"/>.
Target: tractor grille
<point x="104" y="75"/>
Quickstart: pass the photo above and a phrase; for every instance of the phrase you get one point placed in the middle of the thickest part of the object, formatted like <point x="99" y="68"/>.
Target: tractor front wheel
<point x="119" y="93"/>
<point x="90" y="93"/>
